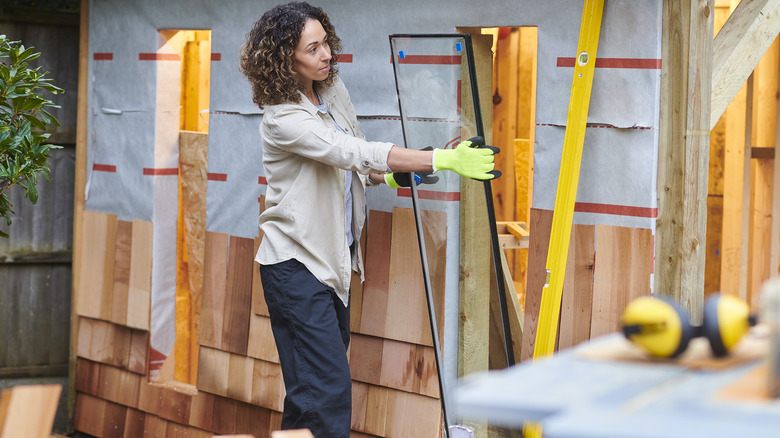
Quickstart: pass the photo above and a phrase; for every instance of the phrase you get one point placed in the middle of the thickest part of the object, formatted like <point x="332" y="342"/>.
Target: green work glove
<point x="471" y="158"/>
<point x="398" y="179"/>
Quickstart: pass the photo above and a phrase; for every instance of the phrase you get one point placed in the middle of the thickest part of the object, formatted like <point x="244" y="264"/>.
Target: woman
<point x="317" y="164"/>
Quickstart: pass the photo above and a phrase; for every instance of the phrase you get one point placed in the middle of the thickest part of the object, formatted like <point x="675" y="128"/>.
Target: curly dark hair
<point x="267" y="55"/>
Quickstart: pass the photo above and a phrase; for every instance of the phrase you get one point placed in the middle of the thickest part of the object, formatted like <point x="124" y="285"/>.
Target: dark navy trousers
<point x="311" y="328"/>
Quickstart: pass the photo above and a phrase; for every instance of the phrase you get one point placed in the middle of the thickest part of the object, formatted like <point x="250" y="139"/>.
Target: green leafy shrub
<point x="24" y="155"/>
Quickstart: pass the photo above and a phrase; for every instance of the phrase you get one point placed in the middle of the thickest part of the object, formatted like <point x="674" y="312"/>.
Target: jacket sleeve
<point x="294" y="130"/>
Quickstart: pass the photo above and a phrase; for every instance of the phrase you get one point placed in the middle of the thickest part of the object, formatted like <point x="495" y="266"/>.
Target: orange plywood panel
<point x="214" y="289"/>
<point x="139" y="294"/>
<point x="377" y="264"/>
<point x="406" y="304"/>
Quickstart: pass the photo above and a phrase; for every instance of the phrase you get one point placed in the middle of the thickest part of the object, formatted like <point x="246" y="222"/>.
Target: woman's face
<point x="312" y="55"/>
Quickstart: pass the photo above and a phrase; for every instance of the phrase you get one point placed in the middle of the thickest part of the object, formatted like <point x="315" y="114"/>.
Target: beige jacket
<point x="305" y="159"/>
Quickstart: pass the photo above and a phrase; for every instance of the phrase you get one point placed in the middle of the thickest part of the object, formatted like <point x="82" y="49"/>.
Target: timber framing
<point x="700" y="77"/>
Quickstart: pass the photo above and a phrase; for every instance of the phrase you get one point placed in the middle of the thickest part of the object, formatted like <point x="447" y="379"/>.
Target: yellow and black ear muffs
<point x="657" y="325"/>
<point x="661" y="327"/>
<point x="725" y="321"/>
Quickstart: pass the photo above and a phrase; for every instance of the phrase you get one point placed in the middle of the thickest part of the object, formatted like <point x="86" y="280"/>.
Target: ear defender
<point x="657" y="325"/>
<point x="661" y="327"/>
<point x="726" y="320"/>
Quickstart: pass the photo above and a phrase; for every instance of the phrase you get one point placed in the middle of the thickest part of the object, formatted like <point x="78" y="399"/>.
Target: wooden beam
<point x="684" y="152"/>
<point x="78" y="200"/>
<point x="738" y="47"/>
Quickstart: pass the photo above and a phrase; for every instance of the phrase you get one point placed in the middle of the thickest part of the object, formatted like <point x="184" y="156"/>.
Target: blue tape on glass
<point x="401" y="55"/>
<point x="459" y="47"/>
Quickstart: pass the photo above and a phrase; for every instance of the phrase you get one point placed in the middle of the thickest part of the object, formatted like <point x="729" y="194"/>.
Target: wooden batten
<point x="738" y="48"/>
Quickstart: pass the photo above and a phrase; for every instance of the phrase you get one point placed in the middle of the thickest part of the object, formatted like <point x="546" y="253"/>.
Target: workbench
<point x="604" y="389"/>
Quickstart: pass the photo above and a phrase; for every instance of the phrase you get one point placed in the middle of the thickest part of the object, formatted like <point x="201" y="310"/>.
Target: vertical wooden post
<point x="473" y="350"/>
<point x="684" y="152"/>
<point x="78" y="199"/>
